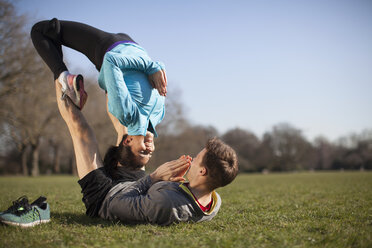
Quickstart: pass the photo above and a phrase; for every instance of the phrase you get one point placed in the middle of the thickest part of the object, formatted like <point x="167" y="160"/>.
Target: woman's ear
<point x="127" y="141"/>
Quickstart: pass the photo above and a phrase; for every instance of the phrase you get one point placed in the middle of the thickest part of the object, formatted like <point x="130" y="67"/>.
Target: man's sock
<point x="62" y="79"/>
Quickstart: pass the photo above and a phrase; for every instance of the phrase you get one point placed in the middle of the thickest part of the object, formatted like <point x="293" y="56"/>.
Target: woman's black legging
<point x="49" y="36"/>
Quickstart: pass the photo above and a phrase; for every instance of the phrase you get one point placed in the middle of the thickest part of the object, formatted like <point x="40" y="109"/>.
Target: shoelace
<point x="32" y="217"/>
<point x="38" y="212"/>
<point x="19" y="206"/>
<point x="64" y="94"/>
<point x="35" y="210"/>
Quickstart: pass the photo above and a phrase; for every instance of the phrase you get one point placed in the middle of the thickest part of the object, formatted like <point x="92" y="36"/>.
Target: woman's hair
<point x="221" y="162"/>
<point x="122" y="155"/>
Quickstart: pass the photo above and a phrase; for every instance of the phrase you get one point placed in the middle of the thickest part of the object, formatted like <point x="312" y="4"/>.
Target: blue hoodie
<point x="131" y="98"/>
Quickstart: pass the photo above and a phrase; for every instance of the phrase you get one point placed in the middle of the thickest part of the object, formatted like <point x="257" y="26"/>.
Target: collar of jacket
<point x="214" y="198"/>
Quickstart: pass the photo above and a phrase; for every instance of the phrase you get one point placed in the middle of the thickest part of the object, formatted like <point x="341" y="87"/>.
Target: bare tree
<point x="189" y="142"/>
<point x="13" y="42"/>
<point x="96" y="115"/>
<point x="289" y="147"/>
<point x="57" y="145"/>
<point x="29" y="111"/>
<point x="24" y="92"/>
<point x="175" y="120"/>
<point x="354" y="151"/>
<point x="325" y="153"/>
<point x="246" y="145"/>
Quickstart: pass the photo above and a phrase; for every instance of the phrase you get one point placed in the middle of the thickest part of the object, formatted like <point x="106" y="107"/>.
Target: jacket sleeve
<point x="131" y="62"/>
<point x="138" y="205"/>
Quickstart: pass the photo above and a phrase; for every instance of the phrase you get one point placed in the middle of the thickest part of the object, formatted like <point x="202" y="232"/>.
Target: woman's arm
<point x="154" y="70"/>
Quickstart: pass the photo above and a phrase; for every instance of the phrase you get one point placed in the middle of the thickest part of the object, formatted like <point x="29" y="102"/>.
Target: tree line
<point x="34" y="139"/>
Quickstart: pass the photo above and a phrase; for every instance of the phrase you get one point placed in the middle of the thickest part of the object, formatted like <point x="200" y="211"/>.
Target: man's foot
<point x="23" y="214"/>
<point x="73" y="87"/>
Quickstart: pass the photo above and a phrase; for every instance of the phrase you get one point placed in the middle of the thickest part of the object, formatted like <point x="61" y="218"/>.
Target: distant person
<point x="126" y="73"/>
<point x="158" y="198"/>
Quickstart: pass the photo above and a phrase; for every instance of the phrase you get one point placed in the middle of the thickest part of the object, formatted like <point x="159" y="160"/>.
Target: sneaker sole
<point x="81" y="94"/>
<point x="31" y="224"/>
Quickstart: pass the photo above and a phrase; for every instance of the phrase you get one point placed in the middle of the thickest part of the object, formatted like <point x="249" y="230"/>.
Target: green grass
<point x="275" y="210"/>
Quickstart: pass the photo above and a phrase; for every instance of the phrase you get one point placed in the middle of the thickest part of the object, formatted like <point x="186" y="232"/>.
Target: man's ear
<point x="203" y="171"/>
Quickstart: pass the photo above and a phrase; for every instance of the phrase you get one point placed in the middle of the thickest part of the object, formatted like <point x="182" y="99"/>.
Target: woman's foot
<point x="73" y="87"/>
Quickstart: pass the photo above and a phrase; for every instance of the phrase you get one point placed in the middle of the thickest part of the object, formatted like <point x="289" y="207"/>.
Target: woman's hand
<point x="172" y="171"/>
<point x="158" y="80"/>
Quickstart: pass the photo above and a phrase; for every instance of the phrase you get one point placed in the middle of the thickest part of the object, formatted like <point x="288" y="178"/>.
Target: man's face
<point x="142" y="147"/>
<point x="196" y="165"/>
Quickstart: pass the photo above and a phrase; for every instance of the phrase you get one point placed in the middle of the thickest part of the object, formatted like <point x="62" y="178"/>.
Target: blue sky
<point x="247" y="64"/>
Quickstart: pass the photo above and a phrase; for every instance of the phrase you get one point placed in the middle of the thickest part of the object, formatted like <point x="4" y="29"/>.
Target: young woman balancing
<point x="135" y="85"/>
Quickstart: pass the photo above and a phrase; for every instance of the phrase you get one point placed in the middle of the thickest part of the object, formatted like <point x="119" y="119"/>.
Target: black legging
<point x="49" y="36"/>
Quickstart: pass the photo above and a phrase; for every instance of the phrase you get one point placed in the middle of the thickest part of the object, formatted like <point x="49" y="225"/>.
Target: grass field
<point x="275" y="210"/>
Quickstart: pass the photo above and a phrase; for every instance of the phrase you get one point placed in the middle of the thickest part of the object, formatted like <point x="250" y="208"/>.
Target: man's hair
<point x="122" y="155"/>
<point x="221" y="162"/>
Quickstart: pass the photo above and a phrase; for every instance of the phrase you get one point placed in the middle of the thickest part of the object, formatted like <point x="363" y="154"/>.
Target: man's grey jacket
<point x="161" y="203"/>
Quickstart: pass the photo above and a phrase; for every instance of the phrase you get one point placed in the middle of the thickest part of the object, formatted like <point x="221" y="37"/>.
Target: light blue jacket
<point x="131" y="98"/>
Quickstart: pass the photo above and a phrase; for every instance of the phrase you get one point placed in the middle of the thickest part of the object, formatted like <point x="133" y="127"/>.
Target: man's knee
<point x="72" y="115"/>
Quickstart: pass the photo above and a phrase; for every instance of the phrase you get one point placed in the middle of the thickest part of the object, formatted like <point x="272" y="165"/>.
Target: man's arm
<point x="83" y="138"/>
<point x="137" y="205"/>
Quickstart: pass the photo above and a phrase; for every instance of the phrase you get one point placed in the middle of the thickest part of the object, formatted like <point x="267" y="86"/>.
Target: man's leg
<point x="83" y="138"/>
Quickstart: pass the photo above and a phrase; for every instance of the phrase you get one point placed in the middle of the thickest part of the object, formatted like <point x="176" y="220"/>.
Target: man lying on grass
<point x="115" y="190"/>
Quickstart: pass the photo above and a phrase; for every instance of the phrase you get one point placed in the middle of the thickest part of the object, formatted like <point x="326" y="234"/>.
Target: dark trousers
<point x="49" y="36"/>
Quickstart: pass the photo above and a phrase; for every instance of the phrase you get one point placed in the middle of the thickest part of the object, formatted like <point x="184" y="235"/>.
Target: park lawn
<point x="328" y="209"/>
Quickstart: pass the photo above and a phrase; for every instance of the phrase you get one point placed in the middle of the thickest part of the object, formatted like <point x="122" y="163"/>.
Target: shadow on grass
<point x="67" y="218"/>
<point x="80" y="219"/>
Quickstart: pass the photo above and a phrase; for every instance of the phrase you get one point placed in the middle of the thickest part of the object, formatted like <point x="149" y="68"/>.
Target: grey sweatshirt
<point x="162" y="203"/>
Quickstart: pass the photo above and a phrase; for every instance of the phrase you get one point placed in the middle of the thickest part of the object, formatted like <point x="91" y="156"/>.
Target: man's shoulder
<point x="169" y="192"/>
<point x="165" y="186"/>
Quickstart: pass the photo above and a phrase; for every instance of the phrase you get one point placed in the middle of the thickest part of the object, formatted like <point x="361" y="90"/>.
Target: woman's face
<point x="141" y="146"/>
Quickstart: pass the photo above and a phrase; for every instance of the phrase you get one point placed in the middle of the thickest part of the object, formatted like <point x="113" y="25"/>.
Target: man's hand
<point x="158" y="80"/>
<point x="172" y="171"/>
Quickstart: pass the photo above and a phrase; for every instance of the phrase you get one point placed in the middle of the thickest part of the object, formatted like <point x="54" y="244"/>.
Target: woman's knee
<point x="50" y="28"/>
<point x="37" y="28"/>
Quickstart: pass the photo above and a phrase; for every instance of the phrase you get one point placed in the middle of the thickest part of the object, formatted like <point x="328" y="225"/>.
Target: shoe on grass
<point x="73" y="87"/>
<point x="17" y="204"/>
<point x="23" y="214"/>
